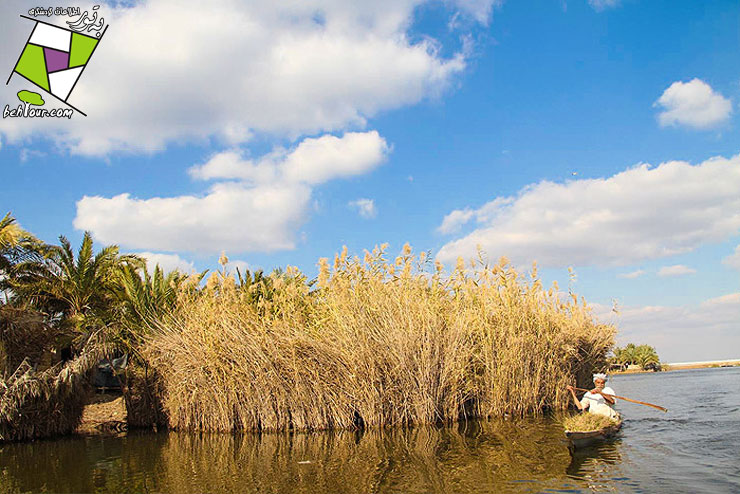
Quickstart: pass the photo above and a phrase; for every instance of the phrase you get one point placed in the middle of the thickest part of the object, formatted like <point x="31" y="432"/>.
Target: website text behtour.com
<point x="27" y="111"/>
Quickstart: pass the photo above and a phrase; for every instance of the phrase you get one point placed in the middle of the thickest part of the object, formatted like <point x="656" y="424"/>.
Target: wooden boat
<point x="582" y="439"/>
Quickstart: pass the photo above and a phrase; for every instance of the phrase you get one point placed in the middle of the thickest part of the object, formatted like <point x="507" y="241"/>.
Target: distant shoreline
<point x="714" y="364"/>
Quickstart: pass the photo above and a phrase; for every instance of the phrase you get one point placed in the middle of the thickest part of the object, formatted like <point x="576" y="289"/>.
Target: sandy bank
<point x="105" y="413"/>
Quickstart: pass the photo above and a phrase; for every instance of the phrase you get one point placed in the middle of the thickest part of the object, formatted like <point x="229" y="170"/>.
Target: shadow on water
<point x="479" y="456"/>
<point x="83" y="464"/>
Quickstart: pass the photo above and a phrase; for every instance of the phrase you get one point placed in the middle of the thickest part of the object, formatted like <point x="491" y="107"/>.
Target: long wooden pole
<point x="662" y="409"/>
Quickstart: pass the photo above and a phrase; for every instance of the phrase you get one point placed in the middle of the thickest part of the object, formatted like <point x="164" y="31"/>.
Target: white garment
<point x="598" y="405"/>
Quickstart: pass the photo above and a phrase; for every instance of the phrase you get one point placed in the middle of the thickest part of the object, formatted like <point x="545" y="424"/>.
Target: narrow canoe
<point x="577" y="439"/>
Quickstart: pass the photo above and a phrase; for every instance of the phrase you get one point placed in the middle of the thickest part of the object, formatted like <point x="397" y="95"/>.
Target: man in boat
<point x="599" y="400"/>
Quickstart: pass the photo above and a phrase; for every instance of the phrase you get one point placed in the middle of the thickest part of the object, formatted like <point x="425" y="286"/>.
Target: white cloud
<point x="632" y="275"/>
<point x="172" y="71"/>
<point x="313" y="161"/>
<point x="455" y="220"/>
<point x="230" y="216"/>
<point x="693" y="104"/>
<point x="600" y="5"/>
<point x="260" y="213"/>
<point x="365" y="207"/>
<point x="232" y="165"/>
<point x="733" y="260"/>
<point x="708" y="331"/>
<point x="641" y="213"/>
<point x="242" y="266"/>
<point x="675" y="270"/>
<point x="167" y="262"/>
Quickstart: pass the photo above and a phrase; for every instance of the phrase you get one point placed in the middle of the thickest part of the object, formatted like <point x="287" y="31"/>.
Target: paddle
<point x="662" y="409"/>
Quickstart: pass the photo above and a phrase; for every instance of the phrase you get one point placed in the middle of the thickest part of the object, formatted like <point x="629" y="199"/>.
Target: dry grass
<point x="143" y="399"/>
<point x="44" y="404"/>
<point x="24" y="334"/>
<point x="377" y="344"/>
<point x="585" y="422"/>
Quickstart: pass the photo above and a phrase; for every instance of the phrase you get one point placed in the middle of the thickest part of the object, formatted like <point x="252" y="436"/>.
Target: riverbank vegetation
<point x="56" y="317"/>
<point x="643" y="356"/>
<point x="371" y="342"/>
<point x="376" y="342"/>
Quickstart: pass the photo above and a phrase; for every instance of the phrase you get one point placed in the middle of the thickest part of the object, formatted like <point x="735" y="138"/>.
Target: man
<point x="599" y="400"/>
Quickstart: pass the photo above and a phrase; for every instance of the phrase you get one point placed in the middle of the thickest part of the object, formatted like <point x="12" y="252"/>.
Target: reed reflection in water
<point x="479" y="456"/>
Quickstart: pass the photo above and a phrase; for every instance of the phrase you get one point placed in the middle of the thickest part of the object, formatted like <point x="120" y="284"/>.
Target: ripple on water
<point x="692" y="448"/>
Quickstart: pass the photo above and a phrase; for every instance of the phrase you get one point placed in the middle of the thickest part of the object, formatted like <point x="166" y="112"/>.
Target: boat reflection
<point x="594" y="465"/>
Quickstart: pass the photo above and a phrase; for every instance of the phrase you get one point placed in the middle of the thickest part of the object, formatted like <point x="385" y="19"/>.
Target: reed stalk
<point x="377" y="343"/>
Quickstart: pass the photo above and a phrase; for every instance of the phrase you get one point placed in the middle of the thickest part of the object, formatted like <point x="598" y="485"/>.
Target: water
<point x="695" y="447"/>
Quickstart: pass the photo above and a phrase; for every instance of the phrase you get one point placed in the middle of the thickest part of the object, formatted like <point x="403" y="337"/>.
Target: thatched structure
<point x="47" y="403"/>
<point x="24" y="334"/>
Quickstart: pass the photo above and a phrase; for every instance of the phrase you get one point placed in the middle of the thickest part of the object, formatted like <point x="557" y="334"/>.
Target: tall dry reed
<point x="49" y="403"/>
<point x="377" y="343"/>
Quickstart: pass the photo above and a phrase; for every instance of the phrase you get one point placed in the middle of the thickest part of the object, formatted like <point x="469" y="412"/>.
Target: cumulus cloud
<point x="707" y="331"/>
<point x="675" y="270"/>
<point x="313" y="161"/>
<point x="364" y="207"/>
<point x="641" y="213"/>
<point x="455" y="220"/>
<point x="230" y="216"/>
<point x="733" y="260"/>
<point x="693" y="104"/>
<point x="260" y="212"/>
<point x="167" y="262"/>
<point x="632" y="275"/>
<point x="174" y="71"/>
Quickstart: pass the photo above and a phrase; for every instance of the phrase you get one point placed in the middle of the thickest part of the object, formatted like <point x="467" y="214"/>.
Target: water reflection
<point x="593" y="465"/>
<point x="91" y="464"/>
<point x="499" y="456"/>
<point x="681" y="451"/>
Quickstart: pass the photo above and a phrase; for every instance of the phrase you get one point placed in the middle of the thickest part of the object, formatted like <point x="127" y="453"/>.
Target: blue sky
<point x="600" y="135"/>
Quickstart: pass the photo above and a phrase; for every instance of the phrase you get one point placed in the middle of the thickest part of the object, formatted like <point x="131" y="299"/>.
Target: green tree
<point x="645" y="355"/>
<point x="24" y="332"/>
<point x="143" y="299"/>
<point x="78" y="291"/>
<point x="642" y="355"/>
<point x="16" y="246"/>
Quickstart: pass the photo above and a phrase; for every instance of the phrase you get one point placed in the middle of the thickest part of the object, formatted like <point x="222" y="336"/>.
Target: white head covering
<point x="600" y="376"/>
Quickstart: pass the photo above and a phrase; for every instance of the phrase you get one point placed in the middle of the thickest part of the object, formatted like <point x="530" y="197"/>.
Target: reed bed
<point x="375" y="343"/>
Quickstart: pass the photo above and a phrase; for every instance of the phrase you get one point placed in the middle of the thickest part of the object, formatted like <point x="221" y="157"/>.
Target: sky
<point x="600" y="135"/>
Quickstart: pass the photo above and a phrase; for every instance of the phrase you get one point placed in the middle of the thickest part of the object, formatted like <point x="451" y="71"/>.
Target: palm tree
<point x="78" y="291"/>
<point x="23" y="331"/>
<point x="645" y="355"/>
<point x="642" y="355"/>
<point x="16" y="246"/>
<point x="143" y="298"/>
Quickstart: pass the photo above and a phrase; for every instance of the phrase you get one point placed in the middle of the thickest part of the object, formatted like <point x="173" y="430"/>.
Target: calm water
<point x="695" y="447"/>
